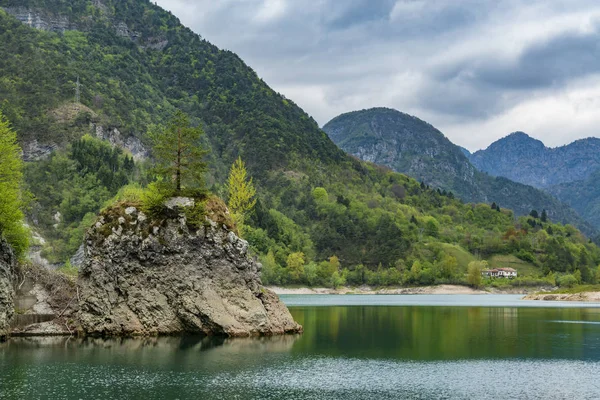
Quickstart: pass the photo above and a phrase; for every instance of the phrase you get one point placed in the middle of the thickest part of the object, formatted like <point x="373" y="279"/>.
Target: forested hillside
<point x="321" y="217"/>
<point x="411" y="146"/>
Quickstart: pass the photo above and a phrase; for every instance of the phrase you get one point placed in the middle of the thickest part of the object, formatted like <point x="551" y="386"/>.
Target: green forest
<point x="321" y="218"/>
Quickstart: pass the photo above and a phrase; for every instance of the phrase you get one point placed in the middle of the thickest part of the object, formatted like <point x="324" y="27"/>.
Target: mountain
<point x="411" y="146"/>
<point x="583" y="196"/>
<point x="571" y="173"/>
<point x="524" y="159"/>
<point x="83" y="81"/>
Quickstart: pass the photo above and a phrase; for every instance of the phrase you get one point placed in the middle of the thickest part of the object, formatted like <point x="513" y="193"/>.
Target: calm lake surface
<point x="354" y="347"/>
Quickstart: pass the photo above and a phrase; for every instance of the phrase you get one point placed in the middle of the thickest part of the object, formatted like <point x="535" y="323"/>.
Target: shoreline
<point x="589" y="297"/>
<point x="438" y="289"/>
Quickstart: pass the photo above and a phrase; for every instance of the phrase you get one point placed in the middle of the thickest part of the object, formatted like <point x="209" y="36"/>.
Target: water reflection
<point x="449" y="333"/>
<point x="346" y="352"/>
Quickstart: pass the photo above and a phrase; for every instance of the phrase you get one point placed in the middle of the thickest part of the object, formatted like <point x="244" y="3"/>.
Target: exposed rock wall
<point x="143" y="277"/>
<point x="115" y="138"/>
<point x="7" y="270"/>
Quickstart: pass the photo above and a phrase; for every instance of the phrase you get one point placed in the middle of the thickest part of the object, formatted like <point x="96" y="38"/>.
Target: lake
<point x="354" y="347"/>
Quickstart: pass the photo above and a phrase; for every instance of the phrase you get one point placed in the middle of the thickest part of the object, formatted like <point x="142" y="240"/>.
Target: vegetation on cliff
<point x="11" y="193"/>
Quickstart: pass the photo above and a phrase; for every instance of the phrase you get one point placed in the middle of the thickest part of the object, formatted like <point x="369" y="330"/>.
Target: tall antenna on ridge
<point x="77" y="91"/>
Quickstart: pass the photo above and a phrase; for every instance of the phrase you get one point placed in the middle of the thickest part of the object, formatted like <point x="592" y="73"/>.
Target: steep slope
<point x="411" y="146"/>
<point x="523" y="159"/>
<point x="408" y="145"/>
<point x="138" y="64"/>
<point x="583" y="196"/>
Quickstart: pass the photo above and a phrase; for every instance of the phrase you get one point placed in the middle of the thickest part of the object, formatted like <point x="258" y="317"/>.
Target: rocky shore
<point x="145" y="276"/>
<point x="581" y="297"/>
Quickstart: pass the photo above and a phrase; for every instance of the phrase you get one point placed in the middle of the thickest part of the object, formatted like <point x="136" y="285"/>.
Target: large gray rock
<point x="146" y="277"/>
<point x="7" y="270"/>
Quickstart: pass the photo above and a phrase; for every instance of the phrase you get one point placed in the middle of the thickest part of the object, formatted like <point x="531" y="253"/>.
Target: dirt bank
<point x="440" y="289"/>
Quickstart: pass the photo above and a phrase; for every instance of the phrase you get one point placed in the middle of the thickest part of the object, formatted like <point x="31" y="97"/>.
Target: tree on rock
<point x="178" y="154"/>
<point x="241" y="193"/>
<point x="11" y="200"/>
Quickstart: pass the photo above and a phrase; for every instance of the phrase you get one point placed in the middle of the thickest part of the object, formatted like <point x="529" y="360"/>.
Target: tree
<point x="241" y="193"/>
<point x="544" y="216"/>
<point x="494" y="206"/>
<point x="295" y="266"/>
<point x="448" y="266"/>
<point x="474" y="273"/>
<point x="178" y="153"/>
<point x="11" y="175"/>
<point x="534" y="214"/>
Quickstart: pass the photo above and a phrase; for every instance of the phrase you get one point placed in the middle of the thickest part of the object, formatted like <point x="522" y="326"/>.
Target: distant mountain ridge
<point x="524" y="159"/>
<point x="571" y="172"/>
<point x="409" y="145"/>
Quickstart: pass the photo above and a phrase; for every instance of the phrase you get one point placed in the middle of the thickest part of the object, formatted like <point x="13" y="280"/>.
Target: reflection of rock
<point x="218" y="345"/>
<point x="143" y="276"/>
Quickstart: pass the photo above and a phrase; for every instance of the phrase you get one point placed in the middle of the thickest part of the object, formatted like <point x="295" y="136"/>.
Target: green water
<point x="391" y="347"/>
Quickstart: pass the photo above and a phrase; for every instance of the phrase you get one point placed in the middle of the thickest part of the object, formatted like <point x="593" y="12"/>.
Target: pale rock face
<point x="115" y="138"/>
<point x="7" y="269"/>
<point x="35" y="151"/>
<point x="165" y="277"/>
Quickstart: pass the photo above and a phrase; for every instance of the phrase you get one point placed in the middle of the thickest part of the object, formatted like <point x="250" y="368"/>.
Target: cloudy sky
<point x="475" y="69"/>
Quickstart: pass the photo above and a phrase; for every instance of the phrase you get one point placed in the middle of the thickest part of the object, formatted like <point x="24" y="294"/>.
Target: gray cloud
<point x="477" y="69"/>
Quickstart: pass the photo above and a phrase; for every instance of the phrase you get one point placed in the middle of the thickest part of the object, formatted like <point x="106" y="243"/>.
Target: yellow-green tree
<point x="474" y="272"/>
<point x="295" y="266"/>
<point x="11" y="200"/>
<point x="241" y="193"/>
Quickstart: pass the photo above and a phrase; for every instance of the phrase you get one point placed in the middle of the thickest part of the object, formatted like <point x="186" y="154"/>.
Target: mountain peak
<point x="518" y="139"/>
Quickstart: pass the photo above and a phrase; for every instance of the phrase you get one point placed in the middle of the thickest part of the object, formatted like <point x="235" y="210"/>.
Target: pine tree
<point x="494" y="206"/>
<point x="534" y="214"/>
<point x="241" y="193"/>
<point x="11" y="200"/>
<point x="544" y="216"/>
<point x="178" y="154"/>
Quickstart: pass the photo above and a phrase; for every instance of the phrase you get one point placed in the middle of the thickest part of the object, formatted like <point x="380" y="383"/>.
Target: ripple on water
<point x="318" y="378"/>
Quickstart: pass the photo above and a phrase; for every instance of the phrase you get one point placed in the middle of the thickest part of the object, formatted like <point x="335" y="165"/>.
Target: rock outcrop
<point x="7" y="269"/>
<point x="143" y="276"/>
<point x="580" y="297"/>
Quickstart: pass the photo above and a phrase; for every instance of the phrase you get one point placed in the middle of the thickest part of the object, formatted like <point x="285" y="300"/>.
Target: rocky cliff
<point x="145" y="276"/>
<point x="7" y="268"/>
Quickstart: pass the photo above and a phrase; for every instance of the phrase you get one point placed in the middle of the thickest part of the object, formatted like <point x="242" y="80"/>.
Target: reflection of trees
<point x="442" y="333"/>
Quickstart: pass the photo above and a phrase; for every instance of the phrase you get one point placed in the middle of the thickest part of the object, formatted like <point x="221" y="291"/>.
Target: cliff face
<point x="143" y="277"/>
<point x="7" y="267"/>
<point x="408" y="145"/>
